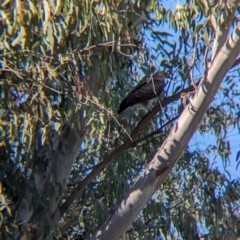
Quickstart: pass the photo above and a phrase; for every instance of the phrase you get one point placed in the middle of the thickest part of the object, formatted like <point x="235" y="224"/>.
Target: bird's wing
<point x="143" y="82"/>
<point x="146" y="89"/>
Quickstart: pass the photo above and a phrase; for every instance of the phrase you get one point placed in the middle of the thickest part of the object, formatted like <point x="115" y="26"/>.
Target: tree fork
<point x="172" y="148"/>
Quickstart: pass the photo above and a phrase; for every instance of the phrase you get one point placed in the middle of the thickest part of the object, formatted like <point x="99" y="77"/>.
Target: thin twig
<point x="159" y="130"/>
<point x="109" y="112"/>
<point x="117" y="152"/>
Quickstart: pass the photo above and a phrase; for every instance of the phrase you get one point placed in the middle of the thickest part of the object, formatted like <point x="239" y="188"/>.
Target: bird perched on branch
<point x="146" y="90"/>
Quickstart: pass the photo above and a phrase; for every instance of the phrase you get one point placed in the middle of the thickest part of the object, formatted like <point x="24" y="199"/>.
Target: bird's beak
<point x="167" y="74"/>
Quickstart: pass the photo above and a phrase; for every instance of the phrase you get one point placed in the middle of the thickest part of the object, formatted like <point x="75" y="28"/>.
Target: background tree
<point x="65" y="66"/>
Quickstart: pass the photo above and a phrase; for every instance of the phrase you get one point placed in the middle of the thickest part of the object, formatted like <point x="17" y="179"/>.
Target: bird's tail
<point x="123" y="106"/>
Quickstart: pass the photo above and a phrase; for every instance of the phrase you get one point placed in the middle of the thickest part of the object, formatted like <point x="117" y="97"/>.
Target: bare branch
<point x="116" y="153"/>
<point x="155" y="132"/>
<point x="174" y="145"/>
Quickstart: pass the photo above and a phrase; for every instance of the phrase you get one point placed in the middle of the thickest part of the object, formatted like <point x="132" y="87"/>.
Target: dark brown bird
<point x="147" y="89"/>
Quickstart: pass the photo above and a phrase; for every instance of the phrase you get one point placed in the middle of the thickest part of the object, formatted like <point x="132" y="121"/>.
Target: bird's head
<point x="160" y="75"/>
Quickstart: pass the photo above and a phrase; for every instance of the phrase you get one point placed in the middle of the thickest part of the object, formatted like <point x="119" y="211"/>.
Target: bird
<point x="146" y="90"/>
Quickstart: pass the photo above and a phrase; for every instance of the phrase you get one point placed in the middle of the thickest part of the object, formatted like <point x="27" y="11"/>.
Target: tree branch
<point x="170" y="151"/>
<point x="116" y="153"/>
<point x="159" y="130"/>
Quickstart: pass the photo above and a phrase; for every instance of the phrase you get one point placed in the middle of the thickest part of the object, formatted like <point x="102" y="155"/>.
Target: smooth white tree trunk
<point x="177" y="140"/>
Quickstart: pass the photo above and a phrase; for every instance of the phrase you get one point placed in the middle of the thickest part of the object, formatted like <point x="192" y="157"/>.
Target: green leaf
<point x="196" y="30"/>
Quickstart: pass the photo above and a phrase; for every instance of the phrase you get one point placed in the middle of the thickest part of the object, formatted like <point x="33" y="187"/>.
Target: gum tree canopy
<point x="71" y="167"/>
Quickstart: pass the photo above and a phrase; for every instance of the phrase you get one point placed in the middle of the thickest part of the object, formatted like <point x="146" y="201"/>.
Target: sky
<point x="202" y="141"/>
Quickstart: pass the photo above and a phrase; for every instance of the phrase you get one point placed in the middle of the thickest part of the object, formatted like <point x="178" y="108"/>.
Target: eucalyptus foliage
<point x="64" y="68"/>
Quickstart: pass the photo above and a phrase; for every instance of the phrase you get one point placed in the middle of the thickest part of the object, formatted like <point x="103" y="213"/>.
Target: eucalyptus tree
<point x="68" y="159"/>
